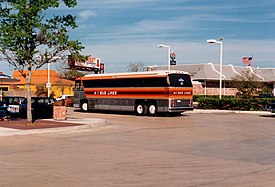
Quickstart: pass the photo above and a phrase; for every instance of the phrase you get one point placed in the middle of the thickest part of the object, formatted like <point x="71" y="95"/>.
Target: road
<point x="189" y="150"/>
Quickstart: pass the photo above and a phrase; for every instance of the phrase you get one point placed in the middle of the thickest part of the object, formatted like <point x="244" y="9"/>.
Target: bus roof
<point x="132" y="74"/>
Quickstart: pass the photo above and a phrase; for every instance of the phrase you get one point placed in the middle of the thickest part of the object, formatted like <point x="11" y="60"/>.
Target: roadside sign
<point x="173" y="58"/>
<point x="48" y="85"/>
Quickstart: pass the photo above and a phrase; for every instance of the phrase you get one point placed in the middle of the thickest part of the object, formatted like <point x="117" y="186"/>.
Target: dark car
<point x="266" y="96"/>
<point x="10" y="100"/>
<point x="270" y="107"/>
<point x="4" y="115"/>
<point x="42" y="107"/>
<point x="11" y="104"/>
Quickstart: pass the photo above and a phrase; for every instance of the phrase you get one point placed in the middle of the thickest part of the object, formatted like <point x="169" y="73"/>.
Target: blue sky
<point x="121" y="32"/>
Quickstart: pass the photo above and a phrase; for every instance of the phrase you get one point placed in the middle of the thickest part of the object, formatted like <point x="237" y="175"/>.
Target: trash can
<point x="59" y="112"/>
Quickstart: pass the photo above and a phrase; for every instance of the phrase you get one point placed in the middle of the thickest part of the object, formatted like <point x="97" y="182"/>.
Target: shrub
<point x="232" y="103"/>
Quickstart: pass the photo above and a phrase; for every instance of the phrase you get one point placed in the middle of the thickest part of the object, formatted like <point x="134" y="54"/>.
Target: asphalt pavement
<point x="87" y="123"/>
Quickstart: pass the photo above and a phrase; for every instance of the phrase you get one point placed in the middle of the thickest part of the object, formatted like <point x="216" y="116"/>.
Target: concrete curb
<point x="201" y="111"/>
<point x="87" y="123"/>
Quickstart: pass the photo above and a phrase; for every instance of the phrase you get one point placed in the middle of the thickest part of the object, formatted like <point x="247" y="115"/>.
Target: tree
<point x="62" y="83"/>
<point x="41" y="90"/>
<point x="64" y="73"/>
<point x="135" y="67"/>
<point x="28" y="39"/>
<point x="72" y="74"/>
<point x="248" y="84"/>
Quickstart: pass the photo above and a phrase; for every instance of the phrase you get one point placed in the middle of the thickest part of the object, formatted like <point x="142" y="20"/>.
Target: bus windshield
<point x="78" y="85"/>
<point x="180" y="80"/>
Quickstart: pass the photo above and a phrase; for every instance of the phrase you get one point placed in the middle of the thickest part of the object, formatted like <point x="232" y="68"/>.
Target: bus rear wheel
<point x="84" y="106"/>
<point x="140" y="109"/>
<point x="152" y="109"/>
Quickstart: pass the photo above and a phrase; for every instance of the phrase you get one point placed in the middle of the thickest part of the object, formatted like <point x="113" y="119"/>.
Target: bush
<point x="232" y="103"/>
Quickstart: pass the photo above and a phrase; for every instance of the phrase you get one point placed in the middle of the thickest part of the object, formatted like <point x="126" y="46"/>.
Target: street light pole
<point x="221" y="43"/>
<point x="49" y="87"/>
<point x="221" y="46"/>
<point x="49" y="84"/>
<point x="169" y="51"/>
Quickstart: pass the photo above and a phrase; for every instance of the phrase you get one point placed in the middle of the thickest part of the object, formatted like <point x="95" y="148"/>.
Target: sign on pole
<point x="173" y="58"/>
<point x="48" y="85"/>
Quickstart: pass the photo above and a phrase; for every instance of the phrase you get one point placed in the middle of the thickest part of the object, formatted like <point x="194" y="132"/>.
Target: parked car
<point x="4" y="115"/>
<point x="270" y="107"/>
<point x="11" y="104"/>
<point x="3" y="106"/>
<point x="11" y="100"/>
<point x="42" y="107"/>
<point x="63" y="97"/>
<point x="69" y="99"/>
<point x="266" y="96"/>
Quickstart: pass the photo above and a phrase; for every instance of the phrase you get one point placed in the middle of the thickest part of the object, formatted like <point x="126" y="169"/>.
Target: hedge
<point x="232" y="103"/>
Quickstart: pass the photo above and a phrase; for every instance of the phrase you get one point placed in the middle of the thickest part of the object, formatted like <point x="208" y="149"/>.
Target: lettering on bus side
<point x="105" y="93"/>
<point x="182" y="93"/>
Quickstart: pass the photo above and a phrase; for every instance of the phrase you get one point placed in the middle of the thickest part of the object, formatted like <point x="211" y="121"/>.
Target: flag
<point x="247" y="60"/>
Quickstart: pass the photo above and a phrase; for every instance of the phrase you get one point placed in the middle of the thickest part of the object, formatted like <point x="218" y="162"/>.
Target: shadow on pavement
<point x="268" y="116"/>
<point x="130" y="113"/>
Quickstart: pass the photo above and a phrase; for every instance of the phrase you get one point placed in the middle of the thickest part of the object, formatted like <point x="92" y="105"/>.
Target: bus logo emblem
<point x="181" y="81"/>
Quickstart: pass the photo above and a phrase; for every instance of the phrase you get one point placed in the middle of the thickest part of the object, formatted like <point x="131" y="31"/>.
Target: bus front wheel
<point x="152" y="109"/>
<point x="84" y="106"/>
<point x="140" y="109"/>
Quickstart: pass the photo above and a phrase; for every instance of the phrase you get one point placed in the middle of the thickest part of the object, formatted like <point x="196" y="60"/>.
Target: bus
<point x="145" y="93"/>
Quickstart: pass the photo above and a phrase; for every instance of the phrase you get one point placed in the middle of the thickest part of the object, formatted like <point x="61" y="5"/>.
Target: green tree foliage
<point x="63" y="76"/>
<point x="72" y="74"/>
<point x="29" y="38"/>
<point x="79" y="57"/>
<point x="41" y="90"/>
<point x="248" y="84"/>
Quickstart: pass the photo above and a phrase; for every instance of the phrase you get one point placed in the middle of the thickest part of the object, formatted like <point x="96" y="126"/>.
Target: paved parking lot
<point x="220" y="149"/>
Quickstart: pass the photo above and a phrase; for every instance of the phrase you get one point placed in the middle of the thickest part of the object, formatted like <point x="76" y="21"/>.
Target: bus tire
<point x="152" y="109"/>
<point x="140" y="109"/>
<point x="84" y="106"/>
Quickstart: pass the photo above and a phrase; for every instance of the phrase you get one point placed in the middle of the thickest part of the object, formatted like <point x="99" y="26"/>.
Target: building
<point x="206" y="76"/>
<point x="59" y="85"/>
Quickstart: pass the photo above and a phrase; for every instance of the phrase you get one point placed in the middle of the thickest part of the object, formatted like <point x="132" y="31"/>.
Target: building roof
<point x="210" y="71"/>
<point x="41" y="77"/>
<point x="268" y="74"/>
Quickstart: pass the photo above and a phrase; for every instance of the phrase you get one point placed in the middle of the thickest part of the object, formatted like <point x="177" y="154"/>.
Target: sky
<point x="120" y="32"/>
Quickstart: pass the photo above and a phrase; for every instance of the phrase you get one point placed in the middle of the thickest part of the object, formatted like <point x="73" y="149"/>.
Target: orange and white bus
<point x="146" y="93"/>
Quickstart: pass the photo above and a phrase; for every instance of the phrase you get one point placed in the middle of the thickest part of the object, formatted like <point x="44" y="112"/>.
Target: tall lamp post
<point x="168" y="47"/>
<point x="49" y="84"/>
<point x="212" y="41"/>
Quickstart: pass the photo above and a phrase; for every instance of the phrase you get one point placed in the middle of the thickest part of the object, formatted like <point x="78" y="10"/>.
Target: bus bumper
<point x="76" y="106"/>
<point x="181" y="109"/>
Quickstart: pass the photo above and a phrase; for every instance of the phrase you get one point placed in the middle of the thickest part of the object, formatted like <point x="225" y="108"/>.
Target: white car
<point x="64" y="97"/>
